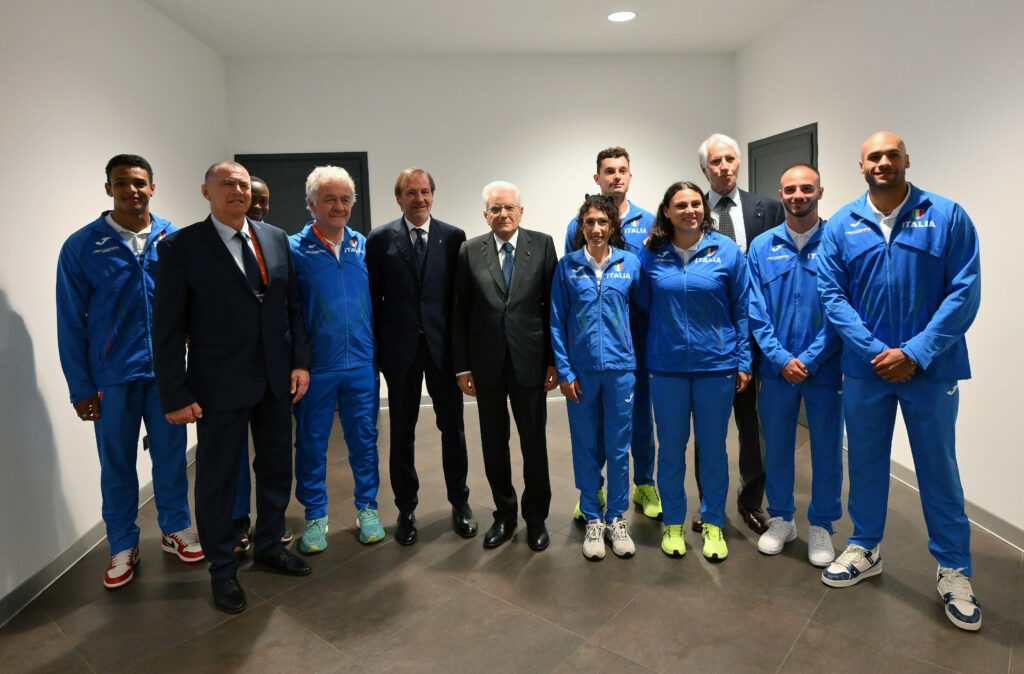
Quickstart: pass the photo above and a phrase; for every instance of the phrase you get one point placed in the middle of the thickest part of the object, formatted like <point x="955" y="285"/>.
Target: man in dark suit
<point x="411" y="263"/>
<point x="227" y="285"/>
<point x="741" y="216"/>
<point x="501" y="348"/>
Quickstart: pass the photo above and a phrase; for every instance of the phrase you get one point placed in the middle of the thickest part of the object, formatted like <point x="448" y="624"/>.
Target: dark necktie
<point x="252" y="267"/>
<point x="724" y="219"/>
<point x="421" y="249"/>
<point x="506" y="265"/>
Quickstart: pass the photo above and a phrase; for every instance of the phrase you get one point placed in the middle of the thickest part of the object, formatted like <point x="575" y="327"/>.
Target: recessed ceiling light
<point x="619" y="17"/>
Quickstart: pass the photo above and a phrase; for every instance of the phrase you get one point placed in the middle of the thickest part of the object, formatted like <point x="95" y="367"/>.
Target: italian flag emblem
<point x="617" y="266"/>
<point x="917" y="213"/>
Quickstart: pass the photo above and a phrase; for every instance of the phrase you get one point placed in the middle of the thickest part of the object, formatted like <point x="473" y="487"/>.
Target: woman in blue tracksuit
<point x="590" y="333"/>
<point x="698" y="356"/>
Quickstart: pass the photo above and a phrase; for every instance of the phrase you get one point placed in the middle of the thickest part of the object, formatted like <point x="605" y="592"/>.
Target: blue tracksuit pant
<point x="607" y="396"/>
<point x="929" y="410"/>
<point x="243" y="492"/>
<point x="122" y="410"/>
<point x="708" y="399"/>
<point x="354" y="394"/>
<point x="778" y="402"/>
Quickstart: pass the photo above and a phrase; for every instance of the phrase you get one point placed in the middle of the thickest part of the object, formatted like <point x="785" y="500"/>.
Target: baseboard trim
<point x="21" y="596"/>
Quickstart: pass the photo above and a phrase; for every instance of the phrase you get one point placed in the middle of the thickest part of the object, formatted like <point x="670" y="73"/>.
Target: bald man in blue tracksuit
<point x="335" y="291"/>
<point x="799" y="360"/>
<point x="590" y="335"/>
<point x="900" y="278"/>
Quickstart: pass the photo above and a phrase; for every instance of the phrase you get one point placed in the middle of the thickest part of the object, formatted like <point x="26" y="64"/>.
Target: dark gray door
<point x="285" y="175"/>
<point x="769" y="157"/>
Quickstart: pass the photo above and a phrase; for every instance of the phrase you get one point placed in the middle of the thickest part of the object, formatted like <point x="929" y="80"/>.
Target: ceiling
<point x="275" y="28"/>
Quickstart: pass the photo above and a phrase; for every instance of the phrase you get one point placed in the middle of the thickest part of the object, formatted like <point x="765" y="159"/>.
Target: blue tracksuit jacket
<point x="335" y="300"/>
<point x="786" y="314"/>
<point x="919" y="293"/>
<point x="590" y="328"/>
<point x="105" y="307"/>
<point x="698" y="310"/>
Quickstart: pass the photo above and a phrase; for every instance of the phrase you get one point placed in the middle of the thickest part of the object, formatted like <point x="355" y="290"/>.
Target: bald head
<point x="884" y="162"/>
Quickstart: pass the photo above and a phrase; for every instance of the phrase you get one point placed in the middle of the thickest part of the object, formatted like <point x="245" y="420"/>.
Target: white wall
<point x="536" y="121"/>
<point x="81" y="82"/>
<point x="946" y="76"/>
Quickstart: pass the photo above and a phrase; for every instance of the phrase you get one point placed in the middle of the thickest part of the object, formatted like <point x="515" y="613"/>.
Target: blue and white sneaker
<point x="854" y="565"/>
<point x="962" y="607"/>
<point x="370" y="528"/>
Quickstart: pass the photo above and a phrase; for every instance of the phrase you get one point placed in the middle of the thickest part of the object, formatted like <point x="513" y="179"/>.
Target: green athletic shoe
<point x="370" y="529"/>
<point x="715" y="548"/>
<point x="578" y="514"/>
<point x="314" y="538"/>
<point x="672" y="543"/>
<point x="646" y="496"/>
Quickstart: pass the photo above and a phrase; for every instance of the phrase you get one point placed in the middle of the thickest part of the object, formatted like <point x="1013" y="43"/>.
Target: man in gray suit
<point x="501" y="351"/>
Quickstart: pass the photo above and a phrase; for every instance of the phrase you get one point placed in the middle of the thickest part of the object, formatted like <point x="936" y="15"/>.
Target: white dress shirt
<point x="137" y="240"/>
<point x="499" y="243"/>
<point x="736" y="211"/>
<point x="425" y="228"/>
<point x="886" y="222"/>
<point x="227" y="234"/>
<point x="687" y="253"/>
<point x="598" y="267"/>
<point x="801" y="239"/>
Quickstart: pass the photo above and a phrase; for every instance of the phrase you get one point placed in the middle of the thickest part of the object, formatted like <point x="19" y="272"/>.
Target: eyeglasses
<point x="497" y="209"/>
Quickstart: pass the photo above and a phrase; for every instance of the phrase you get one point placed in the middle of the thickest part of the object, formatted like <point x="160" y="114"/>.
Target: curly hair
<point x="606" y="205"/>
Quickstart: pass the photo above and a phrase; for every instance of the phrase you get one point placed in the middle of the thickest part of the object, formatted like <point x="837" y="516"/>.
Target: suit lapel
<point x="213" y="240"/>
<point x="400" y="237"/>
<point x="523" y="258"/>
<point x="270" y="253"/>
<point x="753" y="215"/>
<point x="490" y="255"/>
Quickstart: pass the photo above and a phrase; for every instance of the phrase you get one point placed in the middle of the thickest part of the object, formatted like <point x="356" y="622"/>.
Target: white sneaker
<point x="618" y="533"/>
<point x="854" y="565"/>
<point x="820" y="552"/>
<point x="962" y="607"/>
<point x="593" y="541"/>
<point x="183" y="544"/>
<point x="779" y="533"/>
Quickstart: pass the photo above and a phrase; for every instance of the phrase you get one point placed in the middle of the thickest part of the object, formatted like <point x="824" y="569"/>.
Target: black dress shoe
<point x="757" y="520"/>
<point x="498" y="534"/>
<point x="405" y="532"/>
<point x="697" y="524"/>
<point x="537" y="537"/>
<point x="463" y="521"/>
<point x="284" y="562"/>
<point x="228" y="595"/>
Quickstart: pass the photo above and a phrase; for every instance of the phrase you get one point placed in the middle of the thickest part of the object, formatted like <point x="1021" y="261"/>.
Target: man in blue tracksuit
<point x="104" y="330"/>
<point x="591" y="294"/>
<point x="799" y="360"/>
<point x="613" y="177"/>
<point x="900" y="277"/>
<point x="330" y="264"/>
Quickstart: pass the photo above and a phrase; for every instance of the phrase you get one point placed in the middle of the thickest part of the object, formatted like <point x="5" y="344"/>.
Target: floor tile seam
<point x="369" y="653"/>
<point x="532" y="614"/>
<point x="224" y="619"/>
<point x="889" y="651"/>
<point x="316" y="636"/>
<point x="802" y="631"/>
<point x="591" y="640"/>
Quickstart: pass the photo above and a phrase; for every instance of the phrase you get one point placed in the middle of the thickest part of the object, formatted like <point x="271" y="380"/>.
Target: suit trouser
<point x="355" y="394"/>
<point x="779" y="403"/>
<point x="929" y="410"/>
<point x="123" y="409"/>
<point x="243" y="492"/>
<point x="217" y="477"/>
<point x="607" y="396"/>
<point x="529" y="407"/>
<point x="404" y="409"/>
<point x="751" y="464"/>
<point x="706" y="398"/>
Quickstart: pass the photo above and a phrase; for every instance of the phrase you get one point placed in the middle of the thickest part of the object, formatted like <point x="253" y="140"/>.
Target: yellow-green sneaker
<point x="578" y="514"/>
<point x="672" y="543"/>
<point x="715" y="548"/>
<point x="646" y="496"/>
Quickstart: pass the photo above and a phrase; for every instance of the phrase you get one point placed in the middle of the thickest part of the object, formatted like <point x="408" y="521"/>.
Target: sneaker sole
<point x="173" y="550"/>
<point x="114" y="586"/>
<point x="624" y="555"/>
<point x="674" y="554"/>
<point x="593" y="558"/>
<point x="868" y="573"/>
<point x="969" y="627"/>
<point x="822" y="564"/>
<point x="715" y="558"/>
<point x="311" y="550"/>
<point x="371" y="540"/>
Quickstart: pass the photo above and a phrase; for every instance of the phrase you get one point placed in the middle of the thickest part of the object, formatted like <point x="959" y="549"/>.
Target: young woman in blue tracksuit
<point x="590" y="334"/>
<point x="799" y="360"/>
<point x="698" y="356"/>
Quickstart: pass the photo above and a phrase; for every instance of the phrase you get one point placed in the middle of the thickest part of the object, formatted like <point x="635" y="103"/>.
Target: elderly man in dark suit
<point x="411" y="263"/>
<point x="227" y="285"/>
<point x="741" y="216"/>
<point x="501" y="347"/>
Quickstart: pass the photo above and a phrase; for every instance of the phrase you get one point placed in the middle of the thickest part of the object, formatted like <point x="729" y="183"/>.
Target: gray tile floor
<point x="447" y="605"/>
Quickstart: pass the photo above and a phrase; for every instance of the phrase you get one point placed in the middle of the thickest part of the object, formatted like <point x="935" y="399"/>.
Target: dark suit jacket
<point x="759" y="214"/>
<point x="485" y="325"/>
<point x="237" y="344"/>
<point x="401" y="298"/>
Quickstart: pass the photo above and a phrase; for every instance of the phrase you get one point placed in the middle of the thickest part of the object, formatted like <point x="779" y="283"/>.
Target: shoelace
<point x="619" y="530"/>
<point x="367" y="514"/>
<point x="123" y="558"/>
<point x="675" y="529"/>
<point x="956" y="583"/>
<point x="712" y="532"/>
<point x="183" y="537"/>
<point x="320" y="523"/>
<point x="851" y="555"/>
<point x="594" y="530"/>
